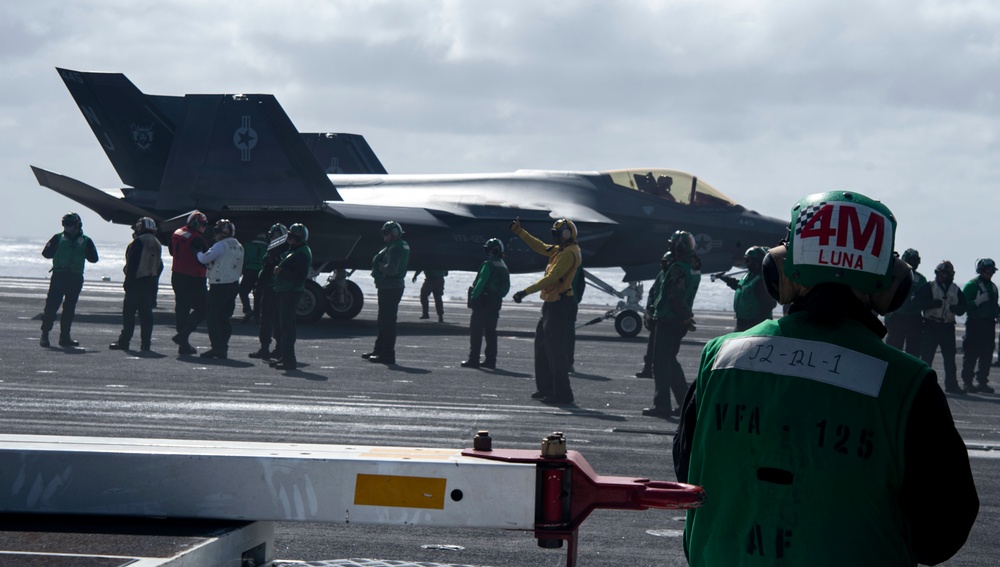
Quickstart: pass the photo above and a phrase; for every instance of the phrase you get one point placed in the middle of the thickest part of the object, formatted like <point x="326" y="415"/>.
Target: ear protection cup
<point x="778" y="285"/>
<point x="893" y="298"/>
<point x="771" y="274"/>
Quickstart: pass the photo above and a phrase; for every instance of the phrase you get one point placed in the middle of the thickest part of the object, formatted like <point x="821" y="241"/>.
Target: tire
<point x="628" y="324"/>
<point x="312" y="304"/>
<point x="351" y="305"/>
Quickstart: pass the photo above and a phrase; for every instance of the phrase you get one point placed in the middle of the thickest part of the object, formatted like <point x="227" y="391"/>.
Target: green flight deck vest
<point x="799" y="447"/>
<point x="745" y="302"/>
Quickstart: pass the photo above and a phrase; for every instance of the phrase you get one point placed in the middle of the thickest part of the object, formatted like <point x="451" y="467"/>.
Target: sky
<point x="768" y="101"/>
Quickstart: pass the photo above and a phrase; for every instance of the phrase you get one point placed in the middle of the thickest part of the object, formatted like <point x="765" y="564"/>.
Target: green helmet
<point x="911" y="257"/>
<point x="299" y="231"/>
<point x="393" y="228"/>
<point x="493" y="247"/>
<point x="72" y="219"/>
<point x="841" y="237"/>
<point x="276" y="231"/>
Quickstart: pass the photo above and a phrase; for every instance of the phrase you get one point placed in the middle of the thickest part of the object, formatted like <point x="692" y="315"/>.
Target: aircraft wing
<point x="110" y="208"/>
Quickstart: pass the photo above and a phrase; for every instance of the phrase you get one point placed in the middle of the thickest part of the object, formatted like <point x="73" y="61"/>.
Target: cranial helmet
<point x="71" y="219"/>
<point x="839" y="237"/>
<point x="392" y="227"/>
<point x="682" y="243"/>
<point x="753" y="257"/>
<point x="667" y="259"/>
<point x="986" y="265"/>
<point x="493" y="247"/>
<point x="299" y="231"/>
<point x="276" y="231"/>
<point x="197" y="220"/>
<point x="564" y="229"/>
<point x="911" y="257"/>
<point x="945" y="267"/>
<point x="225" y="227"/>
<point x="144" y="224"/>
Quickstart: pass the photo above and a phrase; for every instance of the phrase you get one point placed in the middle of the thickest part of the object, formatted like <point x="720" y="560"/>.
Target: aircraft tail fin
<point x="343" y="153"/>
<point x="135" y="134"/>
<point x="210" y="152"/>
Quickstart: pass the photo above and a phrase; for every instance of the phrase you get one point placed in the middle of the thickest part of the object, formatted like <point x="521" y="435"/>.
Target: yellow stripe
<point x="399" y="491"/>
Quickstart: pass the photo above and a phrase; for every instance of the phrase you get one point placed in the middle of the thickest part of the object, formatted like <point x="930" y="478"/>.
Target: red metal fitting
<point x="569" y="490"/>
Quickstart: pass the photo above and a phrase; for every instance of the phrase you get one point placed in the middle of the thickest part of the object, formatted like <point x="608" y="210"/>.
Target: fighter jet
<point x="239" y="156"/>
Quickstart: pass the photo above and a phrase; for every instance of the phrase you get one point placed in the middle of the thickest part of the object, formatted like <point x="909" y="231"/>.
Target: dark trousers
<point x="977" y="349"/>
<point x="571" y="334"/>
<point x="433" y="286"/>
<point x="647" y="359"/>
<point x="904" y="331"/>
<point x="221" y="304"/>
<point x="64" y="289"/>
<point x="551" y="358"/>
<point x="247" y="284"/>
<point x="190" y="297"/>
<point x="287" y="301"/>
<point x="138" y="299"/>
<point x="937" y="334"/>
<point x="668" y="374"/>
<point x="267" y="302"/>
<point x="485" y="314"/>
<point x="388" y="310"/>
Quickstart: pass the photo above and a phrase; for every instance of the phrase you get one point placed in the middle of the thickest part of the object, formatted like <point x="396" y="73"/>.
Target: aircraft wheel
<point x="628" y="324"/>
<point x="312" y="304"/>
<point x="346" y="307"/>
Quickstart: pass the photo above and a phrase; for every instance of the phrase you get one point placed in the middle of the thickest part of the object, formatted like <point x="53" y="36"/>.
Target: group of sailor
<point x="813" y="438"/>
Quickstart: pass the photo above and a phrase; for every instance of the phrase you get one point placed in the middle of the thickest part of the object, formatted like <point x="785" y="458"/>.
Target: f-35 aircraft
<point x="239" y="156"/>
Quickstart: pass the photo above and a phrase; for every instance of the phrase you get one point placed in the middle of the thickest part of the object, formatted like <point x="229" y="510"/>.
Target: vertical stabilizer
<point x="211" y="152"/>
<point x="135" y="134"/>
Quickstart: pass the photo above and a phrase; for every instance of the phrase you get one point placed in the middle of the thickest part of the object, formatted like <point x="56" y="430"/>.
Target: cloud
<point x="767" y="100"/>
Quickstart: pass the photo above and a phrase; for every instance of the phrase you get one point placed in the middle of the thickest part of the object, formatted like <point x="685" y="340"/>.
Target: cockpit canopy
<point x="671" y="185"/>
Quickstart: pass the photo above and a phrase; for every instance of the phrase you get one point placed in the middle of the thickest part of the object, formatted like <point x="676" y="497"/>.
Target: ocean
<point x="23" y="258"/>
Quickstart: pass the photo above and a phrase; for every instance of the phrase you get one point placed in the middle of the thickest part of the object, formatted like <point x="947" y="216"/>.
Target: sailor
<point x="939" y="302"/>
<point x="815" y="441"/>
<point x="485" y="298"/>
<point x="225" y="263"/>
<point x="289" y="282"/>
<point x="556" y="286"/>
<point x="905" y="324"/>
<point x="981" y="309"/>
<point x="253" y="257"/>
<point x="433" y="284"/>
<point x="751" y="303"/>
<point x="187" y="278"/>
<point x="143" y="265"/>
<point x="389" y="272"/>
<point x="673" y="292"/>
<point x="69" y="251"/>
<point x="264" y="294"/>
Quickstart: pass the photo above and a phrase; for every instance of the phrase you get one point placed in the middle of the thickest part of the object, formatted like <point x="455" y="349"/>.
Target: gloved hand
<point x="198" y="245"/>
<point x="954" y="309"/>
<point x="936" y="303"/>
<point x="519" y="295"/>
<point x="981" y="298"/>
<point x="690" y="325"/>
<point x="515" y="226"/>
